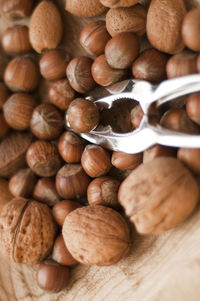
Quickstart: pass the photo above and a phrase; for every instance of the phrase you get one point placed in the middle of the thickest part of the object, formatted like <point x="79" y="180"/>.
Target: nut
<point x="27" y="231"/>
<point x="4" y="128"/>
<point x="62" y="209"/>
<point x="191" y="158"/>
<point x="193" y="107"/>
<point x="119" y="3"/>
<point x="4" y="94"/>
<point x="45" y="191"/>
<point x="84" y="8"/>
<point x="96" y="235"/>
<point x="16" y="9"/>
<point x="5" y="195"/>
<point x="159" y="195"/>
<point x="126" y="161"/>
<point x="190" y="29"/>
<point x="158" y="151"/>
<point x="60" y="253"/>
<point x="136" y="115"/>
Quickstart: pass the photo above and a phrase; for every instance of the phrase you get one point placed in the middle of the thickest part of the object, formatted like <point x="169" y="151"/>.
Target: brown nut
<point x="193" y="107"/>
<point x="16" y="9"/>
<point x="4" y="94"/>
<point x="62" y="209"/>
<point x="164" y="21"/>
<point x="22" y="74"/>
<point x="150" y="65"/>
<point x="84" y="8"/>
<point x="94" y="37"/>
<point x="4" y="128"/>
<point x="60" y="253"/>
<point x="27" y="231"/>
<point x="43" y="158"/>
<point x="158" y="151"/>
<point x="126" y="19"/>
<point x="119" y="3"/>
<point x="159" y="195"/>
<point x="22" y="183"/>
<point x="45" y="191"/>
<point x="198" y="63"/>
<point x="5" y="195"/>
<point x="18" y="110"/>
<point x="190" y="29"/>
<point x="78" y="119"/>
<point x="96" y="235"/>
<point x="191" y="158"/>
<point x="79" y="74"/>
<point x="95" y="160"/>
<point x="122" y="50"/>
<point x="136" y="116"/>
<point x="126" y="161"/>
<point x="43" y="37"/>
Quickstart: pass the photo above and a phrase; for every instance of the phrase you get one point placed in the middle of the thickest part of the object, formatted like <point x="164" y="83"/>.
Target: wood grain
<point x="164" y="268"/>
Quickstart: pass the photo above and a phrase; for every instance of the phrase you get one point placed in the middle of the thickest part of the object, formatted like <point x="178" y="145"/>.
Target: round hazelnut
<point x="45" y="191"/>
<point x="124" y="19"/>
<point x="4" y="94"/>
<point x="3" y="63"/>
<point x="94" y="37"/>
<point x="43" y="158"/>
<point x="82" y="115"/>
<point x="158" y="151"/>
<point x="62" y="209"/>
<point x="61" y="94"/>
<point x="60" y="253"/>
<point x="5" y="195"/>
<point x="96" y="235"/>
<point x="126" y="161"/>
<point x="16" y="9"/>
<point x="119" y="3"/>
<point x="72" y="181"/>
<point x="159" y="195"/>
<point x="79" y="74"/>
<point x="71" y="147"/>
<point x="15" y="40"/>
<point x="136" y="116"/>
<point x="191" y="158"/>
<point x="22" y="74"/>
<point x="84" y="8"/>
<point x="46" y="122"/>
<point x="122" y="50"/>
<point x="43" y="37"/>
<point x="191" y="28"/>
<point x="22" y="183"/>
<point x="27" y="231"/>
<point x="193" y="107"/>
<point x="103" y="191"/>
<point x="4" y="128"/>
<point x="95" y="160"/>
<point x="53" y="64"/>
<point x="103" y="74"/>
<point x="18" y="110"/>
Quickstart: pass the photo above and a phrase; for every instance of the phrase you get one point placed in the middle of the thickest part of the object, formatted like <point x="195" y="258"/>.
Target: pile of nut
<point x="59" y="202"/>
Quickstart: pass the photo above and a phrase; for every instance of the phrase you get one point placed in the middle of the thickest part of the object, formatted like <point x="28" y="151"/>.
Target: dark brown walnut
<point x="158" y="151"/>
<point x="45" y="191"/>
<point x="5" y="195"/>
<point x="27" y="231"/>
<point x="16" y="9"/>
<point x="118" y="3"/>
<point x="96" y="235"/>
<point x="84" y="8"/>
<point x="13" y="153"/>
<point x="159" y="195"/>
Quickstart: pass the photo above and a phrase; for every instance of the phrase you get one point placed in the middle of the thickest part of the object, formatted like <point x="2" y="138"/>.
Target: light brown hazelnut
<point x="159" y="195"/>
<point x="18" y="110"/>
<point x="193" y="107"/>
<point x="126" y="19"/>
<point x="84" y="8"/>
<point x="4" y="128"/>
<point x="16" y="9"/>
<point x="191" y="158"/>
<point x="5" y="195"/>
<point x="60" y="253"/>
<point x="94" y="37"/>
<point x="27" y="231"/>
<point x="126" y="161"/>
<point x="96" y="235"/>
<point x="136" y="116"/>
<point x="45" y="191"/>
<point x="43" y="37"/>
<point x="4" y="94"/>
<point x="22" y="183"/>
<point x="190" y="29"/>
<point x="158" y="151"/>
<point x="96" y="161"/>
<point x="164" y="21"/>
<point x="62" y="209"/>
<point x="119" y="3"/>
<point x="43" y="158"/>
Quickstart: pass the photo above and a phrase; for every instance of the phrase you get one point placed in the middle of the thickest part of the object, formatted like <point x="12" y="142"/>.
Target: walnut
<point x="96" y="235"/>
<point x="159" y="195"/>
<point x="27" y="231"/>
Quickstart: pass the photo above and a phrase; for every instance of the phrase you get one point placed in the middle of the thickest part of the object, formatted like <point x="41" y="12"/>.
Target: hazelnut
<point x="43" y="158"/>
<point x="191" y="158"/>
<point x="60" y="253"/>
<point x="103" y="191"/>
<point x="3" y="63"/>
<point x="190" y="29"/>
<point x="103" y="74"/>
<point x="122" y="50"/>
<point x="119" y="3"/>
<point x="150" y="65"/>
<point x="43" y="37"/>
<point x="22" y="74"/>
<point x="18" y="110"/>
<point x="95" y="160"/>
<point x="72" y="181"/>
<point x="82" y="115"/>
<point x="183" y="63"/>
<point x="15" y="40"/>
<point x="193" y="107"/>
<point x="159" y="195"/>
<point x="198" y="63"/>
<point x="62" y="209"/>
<point x="4" y="128"/>
<point x="71" y="147"/>
<point x="46" y="122"/>
<point x="4" y="94"/>
<point x="22" y="183"/>
<point x="94" y="37"/>
<point x="126" y="161"/>
<point x="158" y="151"/>
<point x="61" y="94"/>
<point x="53" y="64"/>
<point x="27" y="231"/>
<point x="52" y="277"/>
<point x="45" y="191"/>
<point x="79" y="74"/>
<point x="12" y="153"/>
<point x="5" y="195"/>
<point x="126" y="19"/>
<point x="164" y="21"/>
<point x="84" y="8"/>
<point x="136" y="116"/>
<point x="16" y="9"/>
<point x="96" y="235"/>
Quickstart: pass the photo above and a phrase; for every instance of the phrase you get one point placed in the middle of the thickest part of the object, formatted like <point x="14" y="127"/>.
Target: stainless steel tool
<point x="146" y="135"/>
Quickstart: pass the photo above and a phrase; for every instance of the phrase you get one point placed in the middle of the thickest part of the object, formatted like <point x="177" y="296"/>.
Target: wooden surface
<point x="164" y="268"/>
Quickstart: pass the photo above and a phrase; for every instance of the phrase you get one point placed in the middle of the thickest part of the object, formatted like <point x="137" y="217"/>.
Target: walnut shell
<point x="96" y="235"/>
<point x="27" y="231"/>
<point x="159" y="195"/>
